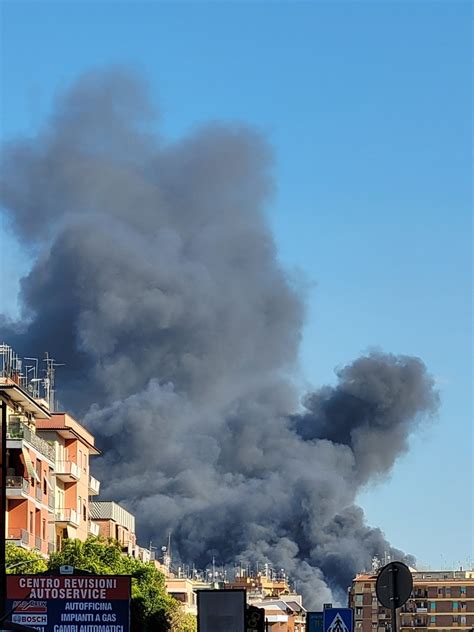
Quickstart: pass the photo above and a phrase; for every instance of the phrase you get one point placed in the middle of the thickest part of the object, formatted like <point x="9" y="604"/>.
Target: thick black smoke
<point x="156" y="281"/>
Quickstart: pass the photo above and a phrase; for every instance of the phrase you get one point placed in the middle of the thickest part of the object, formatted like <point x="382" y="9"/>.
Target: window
<point x="463" y="590"/>
<point x="31" y="522"/>
<point x="448" y="591"/>
<point x="359" y="612"/>
<point x="455" y="619"/>
<point x="440" y="592"/>
<point x="359" y="599"/>
<point x="463" y="620"/>
<point x="84" y="511"/>
<point x="43" y="529"/>
<point x="433" y="620"/>
<point x="79" y="506"/>
<point x="433" y="605"/>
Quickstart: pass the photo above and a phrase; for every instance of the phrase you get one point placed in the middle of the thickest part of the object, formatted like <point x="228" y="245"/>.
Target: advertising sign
<point x="70" y="603"/>
<point x="314" y="622"/>
<point x="220" y="611"/>
<point x="338" y="620"/>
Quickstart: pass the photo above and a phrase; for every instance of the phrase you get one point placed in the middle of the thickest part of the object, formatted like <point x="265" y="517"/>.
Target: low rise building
<point x="113" y="521"/>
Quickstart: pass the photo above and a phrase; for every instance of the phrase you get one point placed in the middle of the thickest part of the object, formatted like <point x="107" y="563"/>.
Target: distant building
<point x="441" y="600"/>
<point x="285" y="614"/>
<point x="113" y="521"/>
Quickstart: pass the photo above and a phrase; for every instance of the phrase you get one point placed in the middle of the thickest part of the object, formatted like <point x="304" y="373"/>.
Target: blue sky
<point x="368" y="106"/>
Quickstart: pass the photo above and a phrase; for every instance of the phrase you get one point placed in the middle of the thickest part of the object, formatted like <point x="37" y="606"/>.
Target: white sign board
<point x="221" y="610"/>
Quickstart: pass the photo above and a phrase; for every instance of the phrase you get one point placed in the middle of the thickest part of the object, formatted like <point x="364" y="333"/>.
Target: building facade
<point x="441" y="600"/>
<point x="30" y="471"/>
<point x="48" y="482"/>
<point x="73" y="484"/>
<point x="113" y="521"/>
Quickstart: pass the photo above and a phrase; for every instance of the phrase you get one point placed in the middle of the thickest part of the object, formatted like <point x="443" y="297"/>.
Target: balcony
<point x="21" y="432"/>
<point x="38" y="543"/>
<point x="20" y="537"/>
<point x="94" y="486"/>
<point x="17" y="487"/>
<point x="67" y="471"/>
<point x="39" y="494"/>
<point x="67" y="517"/>
<point x="94" y="528"/>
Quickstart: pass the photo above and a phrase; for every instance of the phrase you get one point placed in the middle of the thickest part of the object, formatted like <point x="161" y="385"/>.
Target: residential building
<point x="30" y="460"/>
<point x="441" y="600"/>
<point x="113" y="521"/>
<point x="285" y="614"/>
<point x="261" y="585"/>
<point x="73" y="447"/>
<point x="184" y="590"/>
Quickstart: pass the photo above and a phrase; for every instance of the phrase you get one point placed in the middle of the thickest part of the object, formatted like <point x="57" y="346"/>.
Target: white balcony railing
<point x="69" y="516"/>
<point x="68" y="469"/>
<point x="94" y="486"/>
<point x="94" y="528"/>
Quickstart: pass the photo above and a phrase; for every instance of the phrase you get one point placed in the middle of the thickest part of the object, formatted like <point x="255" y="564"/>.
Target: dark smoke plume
<point x="156" y="281"/>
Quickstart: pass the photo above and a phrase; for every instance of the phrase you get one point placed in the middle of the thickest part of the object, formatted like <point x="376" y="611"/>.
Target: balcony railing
<point x="94" y="486"/>
<point x="38" y="543"/>
<point x="18" y="482"/>
<point x="68" y="469"/>
<point x="67" y="515"/>
<point x="94" y="528"/>
<point x="39" y="493"/>
<point x="51" y="501"/>
<point x="19" y="535"/>
<point x="21" y="431"/>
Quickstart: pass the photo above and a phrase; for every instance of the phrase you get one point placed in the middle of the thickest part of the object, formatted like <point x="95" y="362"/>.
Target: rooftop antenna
<point x="49" y="389"/>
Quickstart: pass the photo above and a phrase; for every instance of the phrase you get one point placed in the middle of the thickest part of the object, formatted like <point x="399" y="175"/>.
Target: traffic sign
<point x="338" y="620"/>
<point x="254" y="619"/>
<point x="394" y="585"/>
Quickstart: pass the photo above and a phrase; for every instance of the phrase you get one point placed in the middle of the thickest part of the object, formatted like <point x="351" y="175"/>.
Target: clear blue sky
<point x="368" y="106"/>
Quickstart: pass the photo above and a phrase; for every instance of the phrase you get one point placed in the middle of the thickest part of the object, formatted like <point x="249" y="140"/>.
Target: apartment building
<point x="441" y="600"/>
<point x="285" y="614"/>
<point x="73" y="484"/>
<point x="48" y="482"/>
<point x="30" y="467"/>
<point x="113" y="521"/>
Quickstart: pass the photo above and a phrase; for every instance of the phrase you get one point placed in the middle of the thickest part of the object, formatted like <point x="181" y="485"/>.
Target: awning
<point x="29" y="465"/>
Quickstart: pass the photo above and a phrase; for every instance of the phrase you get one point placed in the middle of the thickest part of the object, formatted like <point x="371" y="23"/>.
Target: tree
<point x="21" y="561"/>
<point x="152" y="609"/>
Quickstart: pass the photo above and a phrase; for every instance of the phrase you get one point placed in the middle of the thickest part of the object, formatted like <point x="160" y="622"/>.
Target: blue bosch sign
<point x="74" y="603"/>
<point x="338" y="620"/>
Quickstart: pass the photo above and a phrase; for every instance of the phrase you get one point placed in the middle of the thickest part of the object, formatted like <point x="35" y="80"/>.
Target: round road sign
<point x="394" y="585"/>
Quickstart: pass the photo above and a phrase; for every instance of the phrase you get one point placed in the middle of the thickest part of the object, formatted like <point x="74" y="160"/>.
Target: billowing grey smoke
<point x="156" y="281"/>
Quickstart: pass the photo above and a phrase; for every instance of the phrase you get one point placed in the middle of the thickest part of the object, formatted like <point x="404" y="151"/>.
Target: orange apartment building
<point x="30" y="470"/>
<point x="73" y="446"/>
<point x="48" y="479"/>
<point x="441" y="601"/>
